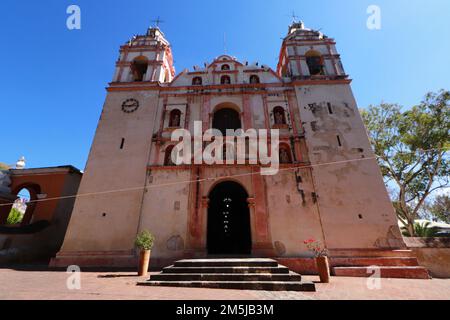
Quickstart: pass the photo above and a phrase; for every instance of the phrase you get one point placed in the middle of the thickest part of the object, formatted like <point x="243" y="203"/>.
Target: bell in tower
<point x="307" y="54"/>
<point x="145" y="58"/>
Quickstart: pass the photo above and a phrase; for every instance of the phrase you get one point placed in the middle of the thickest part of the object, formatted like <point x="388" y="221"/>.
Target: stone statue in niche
<point x="284" y="156"/>
<point x="197" y="81"/>
<point x="279" y="117"/>
<point x="254" y="79"/>
<point x="175" y="120"/>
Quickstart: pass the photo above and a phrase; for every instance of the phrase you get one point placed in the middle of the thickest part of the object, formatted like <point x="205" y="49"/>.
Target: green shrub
<point x="421" y="230"/>
<point x="144" y="240"/>
<point x="15" y="216"/>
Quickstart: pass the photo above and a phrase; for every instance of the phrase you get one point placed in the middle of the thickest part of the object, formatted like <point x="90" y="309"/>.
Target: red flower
<point x="316" y="247"/>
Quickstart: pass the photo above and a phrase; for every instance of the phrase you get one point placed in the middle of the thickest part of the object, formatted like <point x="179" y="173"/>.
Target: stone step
<point x="262" y="277"/>
<point x="385" y="272"/>
<point x="277" y="270"/>
<point x="226" y="263"/>
<point x="250" y="274"/>
<point x="374" y="261"/>
<point x="337" y="253"/>
<point x="240" y="285"/>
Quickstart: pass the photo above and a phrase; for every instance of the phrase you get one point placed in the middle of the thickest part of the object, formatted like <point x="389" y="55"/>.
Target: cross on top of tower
<point x="157" y="21"/>
<point x="296" y="23"/>
<point x="294" y="17"/>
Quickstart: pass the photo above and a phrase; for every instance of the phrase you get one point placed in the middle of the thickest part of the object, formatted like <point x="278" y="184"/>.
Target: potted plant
<point x="321" y="257"/>
<point x="144" y="242"/>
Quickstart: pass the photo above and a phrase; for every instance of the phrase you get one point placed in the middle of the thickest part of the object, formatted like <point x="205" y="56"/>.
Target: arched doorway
<point x="226" y="119"/>
<point x="229" y="220"/>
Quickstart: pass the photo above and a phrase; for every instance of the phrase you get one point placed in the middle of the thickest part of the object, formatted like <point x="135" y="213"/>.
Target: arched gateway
<point x="229" y="220"/>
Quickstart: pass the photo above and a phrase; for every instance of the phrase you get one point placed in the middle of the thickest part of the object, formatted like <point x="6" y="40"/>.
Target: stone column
<point x="295" y="119"/>
<point x="247" y="112"/>
<point x="206" y="110"/>
<point x="262" y="242"/>
<point x="197" y="206"/>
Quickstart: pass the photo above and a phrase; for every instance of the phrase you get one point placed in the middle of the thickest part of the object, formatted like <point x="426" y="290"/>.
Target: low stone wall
<point x="29" y="248"/>
<point x="433" y="254"/>
<point x="304" y="266"/>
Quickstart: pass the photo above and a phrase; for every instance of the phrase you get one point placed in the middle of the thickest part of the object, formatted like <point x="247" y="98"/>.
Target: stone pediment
<point x="226" y="66"/>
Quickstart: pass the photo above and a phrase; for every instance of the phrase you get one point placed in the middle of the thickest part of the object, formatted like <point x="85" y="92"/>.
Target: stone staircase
<point x="249" y="274"/>
<point x="391" y="264"/>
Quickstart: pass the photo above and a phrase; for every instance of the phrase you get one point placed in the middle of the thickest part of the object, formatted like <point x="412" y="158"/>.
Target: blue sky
<point x="53" y="80"/>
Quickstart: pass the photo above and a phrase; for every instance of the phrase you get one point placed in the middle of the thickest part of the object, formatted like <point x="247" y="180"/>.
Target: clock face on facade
<point x="130" y="105"/>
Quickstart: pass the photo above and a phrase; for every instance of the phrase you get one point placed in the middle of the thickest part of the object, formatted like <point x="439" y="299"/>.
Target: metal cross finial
<point x="294" y="17"/>
<point x="224" y="43"/>
<point x="157" y="21"/>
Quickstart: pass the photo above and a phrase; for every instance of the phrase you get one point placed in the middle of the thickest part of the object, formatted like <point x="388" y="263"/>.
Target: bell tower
<point x="116" y="171"/>
<point x="145" y="58"/>
<point x="345" y="171"/>
<point x="309" y="54"/>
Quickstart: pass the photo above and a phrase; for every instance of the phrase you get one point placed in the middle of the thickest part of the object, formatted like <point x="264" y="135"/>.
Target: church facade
<point x="328" y="186"/>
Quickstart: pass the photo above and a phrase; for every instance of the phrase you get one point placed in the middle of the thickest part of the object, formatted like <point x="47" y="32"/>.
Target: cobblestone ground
<point x="17" y="284"/>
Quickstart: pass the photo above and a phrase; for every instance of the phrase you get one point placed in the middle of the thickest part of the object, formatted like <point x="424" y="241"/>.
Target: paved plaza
<point x="42" y="284"/>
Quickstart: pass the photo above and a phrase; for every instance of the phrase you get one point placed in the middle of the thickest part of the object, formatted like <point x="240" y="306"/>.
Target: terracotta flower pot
<point x="323" y="267"/>
<point x="144" y="261"/>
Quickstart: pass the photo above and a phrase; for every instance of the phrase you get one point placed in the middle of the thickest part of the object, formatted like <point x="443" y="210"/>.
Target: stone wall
<point x="433" y="254"/>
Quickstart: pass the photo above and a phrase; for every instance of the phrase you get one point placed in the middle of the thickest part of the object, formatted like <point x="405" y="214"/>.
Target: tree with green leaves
<point x="14" y="217"/>
<point x="422" y="230"/>
<point x="412" y="148"/>
<point x="439" y="208"/>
